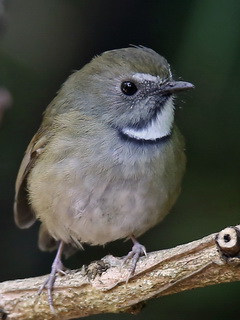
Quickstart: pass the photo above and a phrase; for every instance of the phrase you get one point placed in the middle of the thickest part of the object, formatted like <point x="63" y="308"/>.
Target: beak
<point x="175" y="86"/>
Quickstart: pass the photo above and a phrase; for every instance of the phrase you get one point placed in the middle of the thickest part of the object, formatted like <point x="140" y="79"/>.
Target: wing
<point x="23" y="214"/>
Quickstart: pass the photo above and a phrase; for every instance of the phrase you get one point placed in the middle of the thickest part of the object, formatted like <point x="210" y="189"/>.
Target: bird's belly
<point x="118" y="213"/>
<point x="78" y="202"/>
<point x="107" y="212"/>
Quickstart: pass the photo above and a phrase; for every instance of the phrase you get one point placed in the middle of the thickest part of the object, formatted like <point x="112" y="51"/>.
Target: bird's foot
<point x="57" y="267"/>
<point x="137" y="251"/>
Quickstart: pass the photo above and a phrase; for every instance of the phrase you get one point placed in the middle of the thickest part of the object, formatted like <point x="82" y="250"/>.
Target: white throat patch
<point x="158" y="128"/>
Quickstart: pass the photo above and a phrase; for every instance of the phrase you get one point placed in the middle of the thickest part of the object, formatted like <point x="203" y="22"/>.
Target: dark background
<point x="41" y="45"/>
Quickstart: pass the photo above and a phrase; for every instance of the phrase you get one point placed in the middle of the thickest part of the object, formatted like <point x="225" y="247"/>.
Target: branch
<point x="5" y="101"/>
<point x="5" y="97"/>
<point x="101" y="287"/>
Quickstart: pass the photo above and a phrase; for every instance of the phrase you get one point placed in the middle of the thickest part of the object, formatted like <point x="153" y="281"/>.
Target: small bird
<point x="108" y="160"/>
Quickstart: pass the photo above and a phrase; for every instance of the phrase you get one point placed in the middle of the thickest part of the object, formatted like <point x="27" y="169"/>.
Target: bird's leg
<point x="57" y="267"/>
<point x="137" y="251"/>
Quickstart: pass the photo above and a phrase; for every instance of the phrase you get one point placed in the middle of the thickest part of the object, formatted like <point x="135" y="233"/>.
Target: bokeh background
<point x="43" y="41"/>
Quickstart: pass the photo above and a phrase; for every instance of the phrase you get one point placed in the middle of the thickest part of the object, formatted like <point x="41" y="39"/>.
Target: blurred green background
<point x="45" y="40"/>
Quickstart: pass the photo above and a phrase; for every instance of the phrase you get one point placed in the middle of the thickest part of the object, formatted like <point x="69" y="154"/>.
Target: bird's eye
<point x="129" y="88"/>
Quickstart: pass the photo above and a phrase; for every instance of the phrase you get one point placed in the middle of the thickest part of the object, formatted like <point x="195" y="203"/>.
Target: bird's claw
<point x="137" y="251"/>
<point x="57" y="267"/>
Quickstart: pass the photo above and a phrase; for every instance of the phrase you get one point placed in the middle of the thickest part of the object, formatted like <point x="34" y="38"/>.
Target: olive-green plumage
<point x="108" y="160"/>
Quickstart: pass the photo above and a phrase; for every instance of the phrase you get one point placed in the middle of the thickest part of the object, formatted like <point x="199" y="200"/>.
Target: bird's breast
<point x="82" y="205"/>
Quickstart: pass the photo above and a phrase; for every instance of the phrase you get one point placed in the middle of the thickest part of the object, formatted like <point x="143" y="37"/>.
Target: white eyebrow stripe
<point x="145" y="77"/>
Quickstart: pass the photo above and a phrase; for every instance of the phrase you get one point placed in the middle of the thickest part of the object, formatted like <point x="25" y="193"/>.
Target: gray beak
<point x="175" y="86"/>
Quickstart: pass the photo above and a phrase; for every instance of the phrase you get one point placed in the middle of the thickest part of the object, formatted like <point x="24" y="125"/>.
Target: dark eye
<point x="129" y="88"/>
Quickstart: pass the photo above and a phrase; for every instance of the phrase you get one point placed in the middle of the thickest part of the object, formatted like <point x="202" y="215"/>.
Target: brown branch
<point x="102" y="288"/>
<point x="5" y="101"/>
<point x="5" y="96"/>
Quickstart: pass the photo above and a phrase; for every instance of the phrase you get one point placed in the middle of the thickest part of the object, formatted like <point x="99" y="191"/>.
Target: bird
<point x="108" y="159"/>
